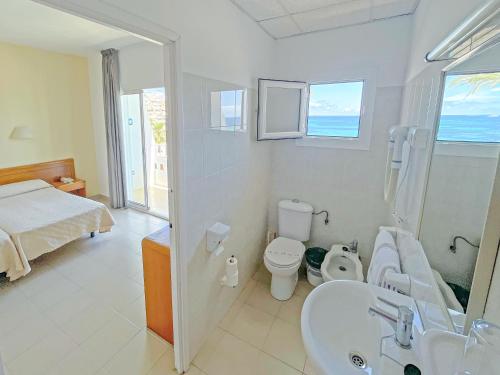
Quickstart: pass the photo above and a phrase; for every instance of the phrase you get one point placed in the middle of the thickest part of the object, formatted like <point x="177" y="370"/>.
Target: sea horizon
<point x="452" y="128"/>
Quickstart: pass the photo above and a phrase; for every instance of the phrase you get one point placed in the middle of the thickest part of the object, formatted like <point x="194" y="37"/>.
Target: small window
<point x="335" y="109"/>
<point x="471" y="109"/>
<point x="282" y="109"/>
<point x="227" y="109"/>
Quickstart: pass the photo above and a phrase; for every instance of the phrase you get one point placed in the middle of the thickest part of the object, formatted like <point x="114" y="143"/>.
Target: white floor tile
<point x="291" y="310"/>
<point x="29" y="332"/>
<point x="261" y="299"/>
<point x="138" y="356"/>
<point x="232" y="356"/>
<point x="208" y="348"/>
<point x="88" y="321"/>
<point x="95" y="352"/>
<point x="66" y="309"/>
<point x="284" y="342"/>
<point x="165" y="365"/>
<point x="136" y="312"/>
<point x="81" y="309"/>
<point x="252" y="325"/>
<point x="43" y="356"/>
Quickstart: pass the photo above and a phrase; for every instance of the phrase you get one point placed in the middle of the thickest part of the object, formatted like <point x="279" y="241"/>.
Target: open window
<point x="282" y="109"/>
<point x="334" y="114"/>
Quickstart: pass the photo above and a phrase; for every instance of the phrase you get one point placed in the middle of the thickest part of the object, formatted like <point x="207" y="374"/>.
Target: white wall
<point x="433" y="21"/>
<point x="348" y="183"/>
<point x="141" y="66"/>
<point x="227" y="179"/>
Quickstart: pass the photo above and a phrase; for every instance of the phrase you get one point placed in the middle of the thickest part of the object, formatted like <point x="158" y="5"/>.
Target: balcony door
<point x="144" y="135"/>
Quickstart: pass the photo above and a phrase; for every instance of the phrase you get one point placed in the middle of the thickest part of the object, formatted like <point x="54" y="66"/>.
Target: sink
<point x="341" y="337"/>
<point x="441" y="351"/>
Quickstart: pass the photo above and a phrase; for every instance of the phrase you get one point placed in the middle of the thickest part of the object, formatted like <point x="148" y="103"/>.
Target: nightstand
<point x="76" y="187"/>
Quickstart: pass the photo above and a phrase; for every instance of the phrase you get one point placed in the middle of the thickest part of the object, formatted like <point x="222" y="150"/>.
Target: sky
<point x="231" y="103"/>
<point x="339" y="99"/>
<point x="460" y="100"/>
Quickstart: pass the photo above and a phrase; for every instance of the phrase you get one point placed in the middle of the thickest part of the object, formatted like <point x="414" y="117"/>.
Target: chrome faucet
<point x="353" y="246"/>
<point x="402" y="324"/>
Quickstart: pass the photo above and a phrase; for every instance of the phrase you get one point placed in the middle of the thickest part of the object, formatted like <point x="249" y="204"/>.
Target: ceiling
<point x="28" y="23"/>
<point x="285" y="18"/>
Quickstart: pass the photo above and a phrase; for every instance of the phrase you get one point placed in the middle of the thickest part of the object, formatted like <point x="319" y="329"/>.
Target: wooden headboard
<point x="50" y="171"/>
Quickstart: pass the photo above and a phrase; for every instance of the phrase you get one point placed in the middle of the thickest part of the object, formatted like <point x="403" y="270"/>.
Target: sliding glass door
<point x="144" y="134"/>
<point x="135" y="163"/>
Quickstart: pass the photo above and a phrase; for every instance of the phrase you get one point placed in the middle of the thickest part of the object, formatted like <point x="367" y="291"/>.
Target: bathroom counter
<point x="157" y="283"/>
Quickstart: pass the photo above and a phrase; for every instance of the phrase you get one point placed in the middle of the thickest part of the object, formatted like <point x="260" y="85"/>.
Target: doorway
<point x="145" y="145"/>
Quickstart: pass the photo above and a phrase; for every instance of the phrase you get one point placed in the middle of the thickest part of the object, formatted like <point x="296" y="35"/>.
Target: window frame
<point x="362" y="142"/>
<point x="263" y="85"/>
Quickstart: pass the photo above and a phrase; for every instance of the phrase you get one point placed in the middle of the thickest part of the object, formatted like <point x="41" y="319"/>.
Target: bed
<point x="36" y="218"/>
<point x="10" y="262"/>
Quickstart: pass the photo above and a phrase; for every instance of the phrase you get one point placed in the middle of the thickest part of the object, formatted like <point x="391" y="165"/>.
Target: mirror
<point x="282" y="109"/>
<point x="226" y="106"/>
<point x="461" y="175"/>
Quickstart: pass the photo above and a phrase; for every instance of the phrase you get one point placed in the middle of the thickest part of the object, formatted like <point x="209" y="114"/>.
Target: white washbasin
<point x="336" y="325"/>
<point x="441" y="352"/>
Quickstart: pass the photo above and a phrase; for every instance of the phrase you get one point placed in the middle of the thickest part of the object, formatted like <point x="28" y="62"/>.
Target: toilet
<point x="283" y="256"/>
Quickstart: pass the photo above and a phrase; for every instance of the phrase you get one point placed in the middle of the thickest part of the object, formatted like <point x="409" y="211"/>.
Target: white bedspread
<point x="43" y="220"/>
<point x="10" y="262"/>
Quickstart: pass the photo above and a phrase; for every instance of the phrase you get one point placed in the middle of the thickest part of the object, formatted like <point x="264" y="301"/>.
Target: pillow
<point x="17" y="188"/>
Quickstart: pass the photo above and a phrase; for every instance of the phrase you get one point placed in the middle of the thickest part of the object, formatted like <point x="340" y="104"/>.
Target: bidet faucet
<point x="402" y="325"/>
<point x="353" y="246"/>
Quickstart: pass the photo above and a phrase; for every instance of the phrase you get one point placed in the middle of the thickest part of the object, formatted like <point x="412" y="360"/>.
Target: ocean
<point x="333" y="126"/>
<point x="451" y="128"/>
<point x="469" y="128"/>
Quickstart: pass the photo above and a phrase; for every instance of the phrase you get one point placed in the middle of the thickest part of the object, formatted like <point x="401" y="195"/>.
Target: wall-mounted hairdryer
<point x="397" y="136"/>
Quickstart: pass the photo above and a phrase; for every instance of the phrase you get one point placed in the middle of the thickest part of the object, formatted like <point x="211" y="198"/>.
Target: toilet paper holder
<point x="216" y="234"/>
<point x="230" y="277"/>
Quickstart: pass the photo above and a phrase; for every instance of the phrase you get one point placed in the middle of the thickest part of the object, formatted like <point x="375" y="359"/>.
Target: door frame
<point x="108" y="14"/>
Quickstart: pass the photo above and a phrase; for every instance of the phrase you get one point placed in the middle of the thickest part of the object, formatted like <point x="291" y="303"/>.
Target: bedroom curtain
<point x="114" y="136"/>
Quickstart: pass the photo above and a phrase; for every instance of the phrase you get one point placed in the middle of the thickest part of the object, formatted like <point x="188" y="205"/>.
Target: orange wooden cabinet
<point x="157" y="283"/>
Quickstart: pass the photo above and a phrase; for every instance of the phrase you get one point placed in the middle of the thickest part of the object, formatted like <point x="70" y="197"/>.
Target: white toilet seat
<point x="282" y="258"/>
<point x="284" y="252"/>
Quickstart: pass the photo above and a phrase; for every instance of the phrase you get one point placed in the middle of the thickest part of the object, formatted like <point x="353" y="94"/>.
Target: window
<point x="335" y="109"/>
<point x="227" y="109"/>
<point x="471" y="109"/>
<point x="330" y="115"/>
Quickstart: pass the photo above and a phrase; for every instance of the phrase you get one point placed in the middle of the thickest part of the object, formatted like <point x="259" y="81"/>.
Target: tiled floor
<point x="259" y="335"/>
<point x="81" y="309"/>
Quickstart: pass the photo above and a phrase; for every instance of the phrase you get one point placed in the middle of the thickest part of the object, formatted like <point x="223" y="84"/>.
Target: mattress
<point x="39" y="218"/>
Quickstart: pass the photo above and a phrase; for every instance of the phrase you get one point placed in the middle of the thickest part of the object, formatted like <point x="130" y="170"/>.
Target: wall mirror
<point x="226" y="106"/>
<point x="461" y="176"/>
<point x="282" y="109"/>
